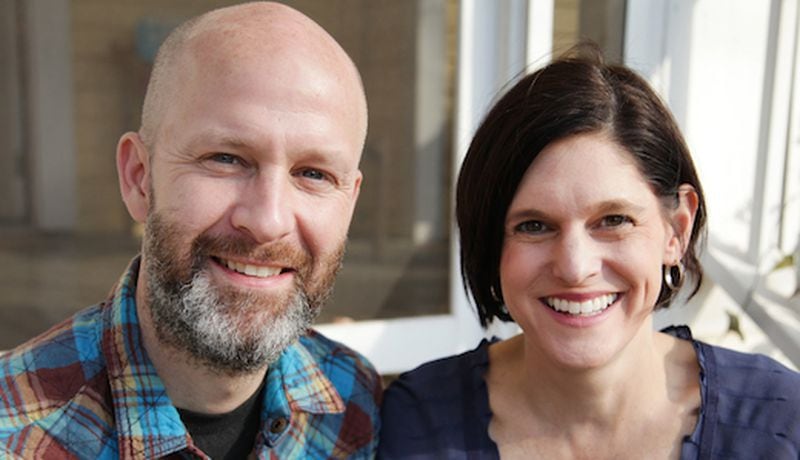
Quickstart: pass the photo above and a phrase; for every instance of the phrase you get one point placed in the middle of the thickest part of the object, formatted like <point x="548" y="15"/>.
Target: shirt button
<point x="278" y="425"/>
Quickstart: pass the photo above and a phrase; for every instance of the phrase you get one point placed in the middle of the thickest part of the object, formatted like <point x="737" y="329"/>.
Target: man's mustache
<point x="279" y="253"/>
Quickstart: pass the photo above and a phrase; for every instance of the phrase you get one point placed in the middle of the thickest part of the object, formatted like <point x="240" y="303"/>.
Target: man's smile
<point x="249" y="269"/>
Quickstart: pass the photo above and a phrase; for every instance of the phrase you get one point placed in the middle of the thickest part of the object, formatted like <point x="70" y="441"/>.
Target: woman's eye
<point x="615" y="220"/>
<point x="531" y="227"/>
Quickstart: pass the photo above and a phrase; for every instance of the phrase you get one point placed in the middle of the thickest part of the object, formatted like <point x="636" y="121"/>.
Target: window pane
<point x="12" y="206"/>
<point x="398" y="253"/>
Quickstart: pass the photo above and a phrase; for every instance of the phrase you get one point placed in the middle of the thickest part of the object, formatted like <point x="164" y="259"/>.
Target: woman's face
<point x="585" y="239"/>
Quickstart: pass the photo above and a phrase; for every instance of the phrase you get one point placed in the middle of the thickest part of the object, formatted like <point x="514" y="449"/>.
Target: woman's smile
<point x="588" y="307"/>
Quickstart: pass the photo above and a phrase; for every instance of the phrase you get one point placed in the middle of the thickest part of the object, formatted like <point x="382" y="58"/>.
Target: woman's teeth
<point x="586" y="308"/>
<point x="252" y="270"/>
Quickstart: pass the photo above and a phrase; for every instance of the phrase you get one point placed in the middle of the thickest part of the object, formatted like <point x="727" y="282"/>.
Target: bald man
<point x="245" y="175"/>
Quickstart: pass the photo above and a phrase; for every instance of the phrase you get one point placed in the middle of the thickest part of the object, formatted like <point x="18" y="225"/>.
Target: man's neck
<point x="189" y="384"/>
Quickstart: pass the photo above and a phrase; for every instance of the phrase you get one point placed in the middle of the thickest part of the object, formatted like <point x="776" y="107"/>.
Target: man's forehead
<point x="257" y="28"/>
<point x="263" y="44"/>
<point x="268" y="51"/>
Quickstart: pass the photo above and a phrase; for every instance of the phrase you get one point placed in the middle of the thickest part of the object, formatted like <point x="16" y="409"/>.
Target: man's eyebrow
<point x="320" y="156"/>
<point x="219" y="140"/>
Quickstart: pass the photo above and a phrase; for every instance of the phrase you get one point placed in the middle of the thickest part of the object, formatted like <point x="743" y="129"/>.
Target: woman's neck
<point x="602" y="395"/>
<point x="652" y="385"/>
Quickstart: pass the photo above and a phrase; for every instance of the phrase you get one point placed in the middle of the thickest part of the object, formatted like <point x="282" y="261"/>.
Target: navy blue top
<point x="750" y="408"/>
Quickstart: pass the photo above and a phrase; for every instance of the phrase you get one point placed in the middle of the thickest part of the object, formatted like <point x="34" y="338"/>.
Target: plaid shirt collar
<point x="148" y="424"/>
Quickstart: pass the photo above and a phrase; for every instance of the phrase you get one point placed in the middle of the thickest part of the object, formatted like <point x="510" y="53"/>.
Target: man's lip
<point x="251" y="269"/>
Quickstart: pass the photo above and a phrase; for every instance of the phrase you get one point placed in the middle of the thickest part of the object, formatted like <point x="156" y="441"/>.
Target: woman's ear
<point x="682" y="222"/>
<point x="133" y="170"/>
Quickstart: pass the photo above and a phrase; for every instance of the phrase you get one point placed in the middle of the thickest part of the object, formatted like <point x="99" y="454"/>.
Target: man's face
<point x="253" y="180"/>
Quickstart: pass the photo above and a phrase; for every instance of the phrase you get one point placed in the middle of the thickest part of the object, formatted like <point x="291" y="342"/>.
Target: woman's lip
<point x="579" y="296"/>
<point x="588" y="305"/>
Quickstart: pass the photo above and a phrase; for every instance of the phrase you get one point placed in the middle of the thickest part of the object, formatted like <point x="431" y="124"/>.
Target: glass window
<point x="12" y="206"/>
<point x="398" y="250"/>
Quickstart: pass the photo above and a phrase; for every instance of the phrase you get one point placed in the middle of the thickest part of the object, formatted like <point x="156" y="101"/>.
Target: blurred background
<point x="73" y="75"/>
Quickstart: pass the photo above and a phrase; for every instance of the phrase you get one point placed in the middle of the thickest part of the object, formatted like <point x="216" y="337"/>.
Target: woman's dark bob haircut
<point x="576" y="94"/>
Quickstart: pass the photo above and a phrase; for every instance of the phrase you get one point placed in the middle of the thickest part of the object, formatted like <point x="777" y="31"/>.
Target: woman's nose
<point x="576" y="258"/>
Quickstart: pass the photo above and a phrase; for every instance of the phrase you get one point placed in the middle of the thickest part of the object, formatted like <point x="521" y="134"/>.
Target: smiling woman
<point x="580" y="213"/>
<point x="594" y="254"/>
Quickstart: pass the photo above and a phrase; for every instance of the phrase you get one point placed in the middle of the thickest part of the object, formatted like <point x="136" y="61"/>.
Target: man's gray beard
<point x="226" y="329"/>
<point x="197" y="320"/>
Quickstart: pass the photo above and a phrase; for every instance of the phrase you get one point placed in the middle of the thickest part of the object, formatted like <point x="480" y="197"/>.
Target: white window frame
<point x="50" y="108"/>
<point x="661" y="39"/>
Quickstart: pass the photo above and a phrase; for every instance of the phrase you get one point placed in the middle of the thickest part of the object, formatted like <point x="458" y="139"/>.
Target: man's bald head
<point x="219" y="39"/>
<point x="253" y="126"/>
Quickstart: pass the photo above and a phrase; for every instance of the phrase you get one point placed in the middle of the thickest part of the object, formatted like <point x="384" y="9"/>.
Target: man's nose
<point x="576" y="258"/>
<point x="264" y="207"/>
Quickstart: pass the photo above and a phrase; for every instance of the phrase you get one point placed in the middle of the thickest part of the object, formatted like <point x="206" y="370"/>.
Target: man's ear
<point x="357" y="185"/>
<point x="133" y="170"/>
<point x="682" y="220"/>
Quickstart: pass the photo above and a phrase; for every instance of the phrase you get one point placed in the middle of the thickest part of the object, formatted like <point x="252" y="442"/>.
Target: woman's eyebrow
<point x="618" y="206"/>
<point x="527" y="214"/>
<point x="615" y="206"/>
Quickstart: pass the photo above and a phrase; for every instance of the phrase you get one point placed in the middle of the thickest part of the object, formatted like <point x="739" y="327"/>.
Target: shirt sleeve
<point x="439" y="410"/>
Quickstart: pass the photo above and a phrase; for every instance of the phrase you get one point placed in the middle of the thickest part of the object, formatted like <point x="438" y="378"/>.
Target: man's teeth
<point x="585" y="308"/>
<point x="252" y="270"/>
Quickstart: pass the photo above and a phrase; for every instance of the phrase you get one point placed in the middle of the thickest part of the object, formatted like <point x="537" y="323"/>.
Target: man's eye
<point x="226" y="158"/>
<point x="313" y="174"/>
<point x="615" y="220"/>
<point x="531" y="227"/>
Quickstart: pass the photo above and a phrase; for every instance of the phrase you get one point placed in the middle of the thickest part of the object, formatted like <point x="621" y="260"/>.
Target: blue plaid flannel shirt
<point x="86" y="389"/>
